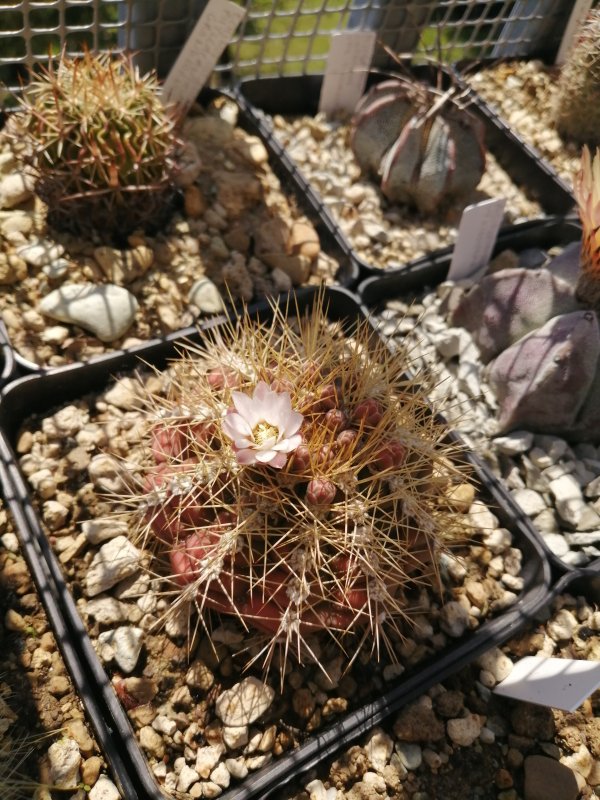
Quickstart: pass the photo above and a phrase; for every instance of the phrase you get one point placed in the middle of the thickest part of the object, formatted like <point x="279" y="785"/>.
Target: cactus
<point x="425" y="149"/>
<point x="587" y="193"/>
<point x="577" y="104"/>
<point x="297" y="480"/>
<point x="101" y="145"/>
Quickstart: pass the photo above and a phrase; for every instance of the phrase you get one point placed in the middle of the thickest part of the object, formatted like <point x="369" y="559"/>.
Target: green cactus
<point x="577" y="104"/>
<point x="101" y="145"/>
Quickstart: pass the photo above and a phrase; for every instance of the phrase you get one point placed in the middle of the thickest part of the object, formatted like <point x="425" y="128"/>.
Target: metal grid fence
<point x="285" y="37"/>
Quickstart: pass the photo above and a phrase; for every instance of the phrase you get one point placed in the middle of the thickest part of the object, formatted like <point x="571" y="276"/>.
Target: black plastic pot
<point x="7" y="358"/>
<point x="300" y="95"/>
<point x="39" y="394"/>
<point x="294" y="186"/>
<point x="51" y="595"/>
<point x="426" y="273"/>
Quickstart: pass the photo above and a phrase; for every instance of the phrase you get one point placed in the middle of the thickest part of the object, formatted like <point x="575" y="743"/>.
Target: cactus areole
<point x="308" y="492"/>
<point x="424" y="148"/>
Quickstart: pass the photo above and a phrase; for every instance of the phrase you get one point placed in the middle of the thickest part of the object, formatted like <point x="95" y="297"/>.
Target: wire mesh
<point x="285" y="37"/>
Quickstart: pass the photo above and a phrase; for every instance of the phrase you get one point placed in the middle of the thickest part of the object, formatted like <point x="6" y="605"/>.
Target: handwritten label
<point x="554" y="682"/>
<point x="576" y="19"/>
<point x="477" y="234"/>
<point x="201" y="52"/>
<point x="348" y="63"/>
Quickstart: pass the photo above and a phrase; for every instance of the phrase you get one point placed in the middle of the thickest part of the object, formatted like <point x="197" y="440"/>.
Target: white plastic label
<point x="201" y="52"/>
<point x="555" y="682"/>
<point x="348" y="62"/>
<point x="577" y="18"/>
<point x="477" y="232"/>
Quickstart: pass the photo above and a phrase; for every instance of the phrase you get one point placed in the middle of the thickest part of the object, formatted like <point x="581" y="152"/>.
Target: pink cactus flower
<point x="264" y="428"/>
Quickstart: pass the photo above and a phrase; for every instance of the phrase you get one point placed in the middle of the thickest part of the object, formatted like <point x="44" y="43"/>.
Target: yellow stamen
<point x="264" y="431"/>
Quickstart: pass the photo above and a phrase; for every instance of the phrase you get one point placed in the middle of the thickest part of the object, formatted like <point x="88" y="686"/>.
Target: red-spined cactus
<point x="101" y="144"/>
<point x="421" y="145"/>
<point x="292" y="495"/>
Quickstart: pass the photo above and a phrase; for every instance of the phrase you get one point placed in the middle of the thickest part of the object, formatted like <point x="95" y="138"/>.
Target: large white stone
<point x="244" y="702"/>
<point x="116" y="559"/>
<point x="15" y="188"/>
<point x="104" y="789"/>
<point x="206" y="297"/>
<point x="65" y="760"/>
<point x="124" y="645"/>
<point x="105" y="310"/>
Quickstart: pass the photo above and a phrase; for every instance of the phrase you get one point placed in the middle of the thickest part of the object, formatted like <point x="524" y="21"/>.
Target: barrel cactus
<point x="296" y="480"/>
<point x="577" y="104"/>
<point x="425" y="149"/>
<point x="100" y="143"/>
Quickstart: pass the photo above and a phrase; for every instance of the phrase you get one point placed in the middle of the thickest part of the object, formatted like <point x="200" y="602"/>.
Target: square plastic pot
<point x="293" y="186"/>
<point x="39" y="394"/>
<point x="300" y="95"/>
<point x="425" y="274"/>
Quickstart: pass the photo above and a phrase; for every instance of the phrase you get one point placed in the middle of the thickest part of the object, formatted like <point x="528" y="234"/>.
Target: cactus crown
<point x="101" y="144"/>
<point x="297" y="480"/>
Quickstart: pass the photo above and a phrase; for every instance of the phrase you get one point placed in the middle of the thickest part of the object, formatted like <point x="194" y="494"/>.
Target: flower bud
<point x="329" y="397"/>
<point x="335" y="419"/>
<point x="222" y="377"/>
<point x="391" y="456"/>
<point x="369" y="412"/>
<point x="320" y="492"/>
<point x="346" y="438"/>
<point x="299" y="460"/>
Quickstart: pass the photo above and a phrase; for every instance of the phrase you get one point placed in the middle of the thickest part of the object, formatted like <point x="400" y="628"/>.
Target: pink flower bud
<point x="300" y="459"/>
<point x="346" y="438"/>
<point x="282" y="385"/>
<point x="326" y="454"/>
<point x="391" y="456"/>
<point x="222" y="377"/>
<point x="335" y="419"/>
<point x="320" y="492"/>
<point x="369" y="412"/>
<point x="168" y="443"/>
<point x="329" y="397"/>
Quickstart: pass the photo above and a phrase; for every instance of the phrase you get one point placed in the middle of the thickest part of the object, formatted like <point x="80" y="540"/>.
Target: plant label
<point x="555" y="682"/>
<point x="199" y="55"/>
<point x="348" y="63"/>
<point x="576" y="20"/>
<point x="477" y="232"/>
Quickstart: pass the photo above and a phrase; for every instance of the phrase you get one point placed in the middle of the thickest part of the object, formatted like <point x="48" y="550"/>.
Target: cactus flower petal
<point x="263" y="427"/>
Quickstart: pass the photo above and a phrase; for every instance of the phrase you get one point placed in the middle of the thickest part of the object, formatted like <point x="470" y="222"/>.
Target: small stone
<point x="411" y="755"/>
<point x="570" y="504"/>
<point x="124" y="266"/>
<point x="237" y="767"/>
<point x="464" y="730"/>
<point x="530" y="502"/>
<point x="186" y="778"/>
<point x="562" y="626"/>
<point x="117" y="559"/>
<point x="104" y="789"/>
<point x="206" y="297"/>
<point x="10" y="542"/>
<point x="244" y="703"/>
<point x="497" y="663"/>
<point x="461" y="497"/>
<point x="418" y="723"/>
<point x="454" y="619"/>
<point x="151" y="742"/>
<point x="90" y="770"/>
<point x="199" y="676"/>
<point x="101" y="530"/>
<point x="546" y="778"/>
<point x="220" y="775"/>
<point x="235" y="737"/>
<point x="514" y="443"/>
<point x="15" y="188"/>
<point x="13" y="621"/>
<point x="163" y="724"/>
<point x="207" y="758"/>
<point x="194" y="202"/>
<point x="379" y="748"/>
<point x="123" y="644"/>
<point x="65" y="762"/>
<point x="105" y="310"/>
<point x="40" y="253"/>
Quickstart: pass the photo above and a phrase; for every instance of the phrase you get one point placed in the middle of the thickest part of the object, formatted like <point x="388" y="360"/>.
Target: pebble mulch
<point x="461" y="741"/>
<point x="41" y="717"/>
<point x="524" y="94"/>
<point x="381" y="234"/>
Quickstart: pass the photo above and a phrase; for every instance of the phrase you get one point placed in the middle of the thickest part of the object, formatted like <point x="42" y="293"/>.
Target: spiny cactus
<point x="587" y="193"/>
<point x="421" y="144"/>
<point x="577" y="104"/>
<point x="295" y="479"/>
<point x="100" y="143"/>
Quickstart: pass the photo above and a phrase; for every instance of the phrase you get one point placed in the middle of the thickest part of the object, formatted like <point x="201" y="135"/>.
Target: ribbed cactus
<point x="100" y="144"/>
<point x="297" y="480"/>
<point x="587" y="192"/>
<point x="423" y="147"/>
<point x="577" y="104"/>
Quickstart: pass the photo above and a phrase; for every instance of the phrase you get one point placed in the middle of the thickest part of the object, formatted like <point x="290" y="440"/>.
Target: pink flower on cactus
<point x="264" y="428"/>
